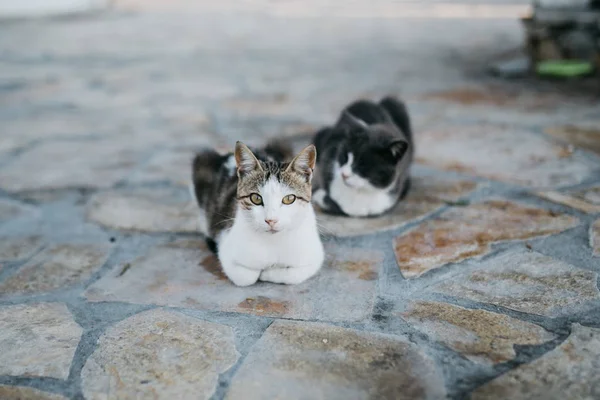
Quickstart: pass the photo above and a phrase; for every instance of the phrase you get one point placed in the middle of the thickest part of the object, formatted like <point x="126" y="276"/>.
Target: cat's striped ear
<point x="245" y="160"/>
<point x="304" y="162"/>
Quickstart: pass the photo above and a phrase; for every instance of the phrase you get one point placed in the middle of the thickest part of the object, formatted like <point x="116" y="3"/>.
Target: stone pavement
<point x="483" y="284"/>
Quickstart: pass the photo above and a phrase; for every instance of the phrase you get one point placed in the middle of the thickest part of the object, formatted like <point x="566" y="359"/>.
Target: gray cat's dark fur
<point x="379" y="135"/>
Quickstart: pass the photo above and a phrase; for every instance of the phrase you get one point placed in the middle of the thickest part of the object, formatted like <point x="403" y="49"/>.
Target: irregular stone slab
<point x="159" y="354"/>
<point x="498" y="97"/>
<point x="479" y="335"/>
<point x="18" y="248"/>
<point x="37" y="340"/>
<point x="26" y="393"/>
<point x="490" y="151"/>
<point x="525" y="281"/>
<point x="12" y="209"/>
<point x="585" y="134"/>
<point x="144" y="210"/>
<point x="595" y="238"/>
<point x="426" y="196"/>
<point x="570" y="371"/>
<point x="182" y="275"/>
<point x="462" y="233"/>
<point x="77" y="164"/>
<point x="318" y="361"/>
<point x="587" y="200"/>
<point x="56" y="267"/>
<point x="173" y="166"/>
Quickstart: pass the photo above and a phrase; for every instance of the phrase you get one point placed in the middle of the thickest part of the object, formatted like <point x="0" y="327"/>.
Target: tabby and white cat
<point x="257" y="214"/>
<point x="364" y="160"/>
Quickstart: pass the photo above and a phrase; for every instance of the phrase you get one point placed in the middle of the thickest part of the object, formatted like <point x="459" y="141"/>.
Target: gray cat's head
<point x="273" y="196"/>
<point x="370" y="157"/>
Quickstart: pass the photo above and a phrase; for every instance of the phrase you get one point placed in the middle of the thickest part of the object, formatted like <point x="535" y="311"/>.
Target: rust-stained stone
<point x="56" y="267"/>
<point x="426" y="196"/>
<point x="318" y="361"/>
<point x="586" y="200"/>
<point x="37" y="340"/>
<point x="159" y="354"/>
<point x="144" y="210"/>
<point x="525" y="281"/>
<point x="489" y="151"/>
<point x="479" y="335"/>
<point x="26" y="393"/>
<point x="498" y="97"/>
<point x="343" y="290"/>
<point x="79" y="164"/>
<point x="586" y="136"/>
<point x="570" y="371"/>
<point x="595" y="238"/>
<point x="264" y="306"/>
<point x="466" y="232"/>
<point x="18" y="248"/>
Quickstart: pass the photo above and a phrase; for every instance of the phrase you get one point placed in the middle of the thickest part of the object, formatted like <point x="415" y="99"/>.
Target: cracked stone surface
<point x="466" y="232"/>
<point x="12" y="209"/>
<point x="87" y="164"/>
<point x="525" y="281"/>
<point x="595" y="238"/>
<point x="479" y="335"/>
<point x="37" y="340"/>
<point x="343" y="290"/>
<point x="426" y="196"/>
<point x="57" y="267"/>
<point x="109" y="291"/>
<point x="320" y="361"/>
<point x="568" y="372"/>
<point x="172" y="166"/>
<point x="144" y="210"/>
<point x="584" y="134"/>
<point x="586" y="200"/>
<point x="26" y="393"/>
<point x="17" y="248"/>
<point x="170" y="356"/>
<point x="489" y="151"/>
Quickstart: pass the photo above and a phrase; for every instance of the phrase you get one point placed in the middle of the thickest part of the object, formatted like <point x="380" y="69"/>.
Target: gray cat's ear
<point x="350" y="121"/>
<point x="398" y="149"/>
<point x="245" y="160"/>
<point x="304" y="162"/>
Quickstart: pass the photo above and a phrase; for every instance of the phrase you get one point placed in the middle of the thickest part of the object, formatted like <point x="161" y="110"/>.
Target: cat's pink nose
<point x="271" y="222"/>
<point x="345" y="177"/>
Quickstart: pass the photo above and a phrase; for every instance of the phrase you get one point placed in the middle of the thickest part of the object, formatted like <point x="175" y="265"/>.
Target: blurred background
<point x="191" y="73"/>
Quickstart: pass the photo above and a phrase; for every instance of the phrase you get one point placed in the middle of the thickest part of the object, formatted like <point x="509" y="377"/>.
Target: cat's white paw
<point x="241" y="276"/>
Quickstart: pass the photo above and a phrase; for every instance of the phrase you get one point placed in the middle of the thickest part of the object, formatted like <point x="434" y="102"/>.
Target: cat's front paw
<point x="241" y="276"/>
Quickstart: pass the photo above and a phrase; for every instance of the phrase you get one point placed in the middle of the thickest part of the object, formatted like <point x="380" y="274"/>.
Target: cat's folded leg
<point x="240" y="275"/>
<point x="289" y="275"/>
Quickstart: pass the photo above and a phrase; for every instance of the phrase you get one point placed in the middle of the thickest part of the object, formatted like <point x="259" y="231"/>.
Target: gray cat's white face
<point x="349" y="177"/>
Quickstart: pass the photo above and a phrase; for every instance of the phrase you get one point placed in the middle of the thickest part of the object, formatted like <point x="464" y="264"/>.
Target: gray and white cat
<point x="364" y="159"/>
<point x="256" y="213"/>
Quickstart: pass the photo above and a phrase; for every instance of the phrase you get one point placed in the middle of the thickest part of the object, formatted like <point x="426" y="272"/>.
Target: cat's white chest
<point x="357" y="202"/>
<point x="260" y="251"/>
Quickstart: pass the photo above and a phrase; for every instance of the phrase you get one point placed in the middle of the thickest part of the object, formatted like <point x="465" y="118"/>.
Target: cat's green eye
<point x="256" y="199"/>
<point x="289" y="199"/>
